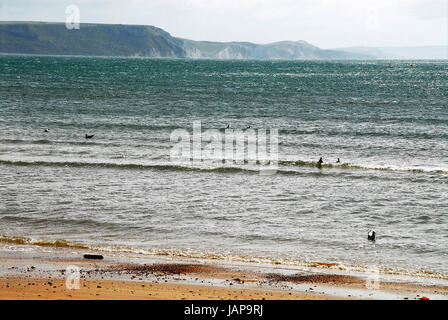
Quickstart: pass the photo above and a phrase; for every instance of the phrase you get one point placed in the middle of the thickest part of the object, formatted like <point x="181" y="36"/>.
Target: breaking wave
<point x="284" y="168"/>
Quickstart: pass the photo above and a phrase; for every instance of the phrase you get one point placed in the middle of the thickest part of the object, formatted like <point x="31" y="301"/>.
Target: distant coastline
<point x="52" y="38"/>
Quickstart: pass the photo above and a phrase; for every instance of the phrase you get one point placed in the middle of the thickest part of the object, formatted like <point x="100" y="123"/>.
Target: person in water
<point x="320" y="161"/>
<point x="339" y="161"/>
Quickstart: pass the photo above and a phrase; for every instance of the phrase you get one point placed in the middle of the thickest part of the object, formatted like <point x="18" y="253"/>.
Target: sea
<point x="386" y="122"/>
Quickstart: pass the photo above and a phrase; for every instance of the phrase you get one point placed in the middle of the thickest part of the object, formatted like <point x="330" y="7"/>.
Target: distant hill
<point x="145" y="41"/>
<point x="292" y="50"/>
<point x="90" y="39"/>
<point x="408" y="53"/>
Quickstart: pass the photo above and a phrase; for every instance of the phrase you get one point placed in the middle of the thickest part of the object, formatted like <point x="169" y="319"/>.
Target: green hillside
<point x="90" y="39"/>
<point x="145" y="41"/>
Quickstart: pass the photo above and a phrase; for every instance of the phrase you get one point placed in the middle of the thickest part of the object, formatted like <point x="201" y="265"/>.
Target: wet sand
<point x="43" y="275"/>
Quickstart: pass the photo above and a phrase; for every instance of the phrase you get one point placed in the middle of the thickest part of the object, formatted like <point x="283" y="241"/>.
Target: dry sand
<point x="55" y="289"/>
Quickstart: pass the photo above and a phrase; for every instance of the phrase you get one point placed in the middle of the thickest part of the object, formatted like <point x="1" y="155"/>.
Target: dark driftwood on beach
<point x="93" y="256"/>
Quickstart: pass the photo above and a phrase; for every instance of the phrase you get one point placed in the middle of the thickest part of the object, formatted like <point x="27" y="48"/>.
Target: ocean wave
<point x="377" y="134"/>
<point x="39" y="221"/>
<point x="20" y="141"/>
<point x="221" y="169"/>
<point x="172" y="167"/>
<point x="300" y="163"/>
<point x="45" y="141"/>
<point x="59" y="243"/>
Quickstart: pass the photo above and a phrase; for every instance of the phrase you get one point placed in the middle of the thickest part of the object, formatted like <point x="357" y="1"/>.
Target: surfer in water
<point x="319" y="163"/>
<point x="339" y="161"/>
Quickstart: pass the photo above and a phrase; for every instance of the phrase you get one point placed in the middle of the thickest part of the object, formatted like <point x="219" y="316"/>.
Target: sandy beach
<point x="55" y="289"/>
<point x="36" y="273"/>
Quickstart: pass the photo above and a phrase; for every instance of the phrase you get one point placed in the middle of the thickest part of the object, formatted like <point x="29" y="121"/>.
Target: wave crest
<point x="222" y="169"/>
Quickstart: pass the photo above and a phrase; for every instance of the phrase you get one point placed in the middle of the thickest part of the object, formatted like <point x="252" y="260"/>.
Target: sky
<point x="324" y="23"/>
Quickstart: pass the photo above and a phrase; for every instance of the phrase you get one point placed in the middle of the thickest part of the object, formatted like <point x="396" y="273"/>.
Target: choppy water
<point x="387" y="122"/>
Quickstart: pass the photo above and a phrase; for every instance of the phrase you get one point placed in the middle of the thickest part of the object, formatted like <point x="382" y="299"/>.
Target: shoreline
<point x="14" y="243"/>
<point x="41" y="274"/>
